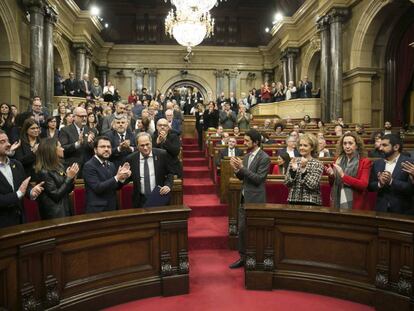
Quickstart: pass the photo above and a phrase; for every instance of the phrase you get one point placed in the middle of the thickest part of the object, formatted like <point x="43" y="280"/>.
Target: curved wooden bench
<point x="88" y="262"/>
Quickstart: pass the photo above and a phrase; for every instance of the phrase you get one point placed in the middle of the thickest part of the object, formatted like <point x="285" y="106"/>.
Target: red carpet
<point x="213" y="286"/>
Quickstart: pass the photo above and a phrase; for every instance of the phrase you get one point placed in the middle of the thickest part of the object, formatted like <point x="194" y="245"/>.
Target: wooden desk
<point x="89" y="262"/>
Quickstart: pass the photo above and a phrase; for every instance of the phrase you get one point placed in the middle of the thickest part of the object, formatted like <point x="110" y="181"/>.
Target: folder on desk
<point x="156" y="199"/>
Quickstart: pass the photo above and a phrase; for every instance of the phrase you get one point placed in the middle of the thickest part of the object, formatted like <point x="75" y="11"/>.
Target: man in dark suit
<point x="234" y="105"/>
<point x="306" y="91"/>
<point x="252" y="170"/>
<point x="122" y="140"/>
<point x="230" y="151"/>
<point x="175" y="124"/>
<point x="388" y="178"/>
<point x="149" y="169"/>
<point x="71" y="85"/>
<point x="13" y="186"/>
<point x="167" y="139"/>
<point x="102" y="178"/>
<point x="39" y="114"/>
<point x="227" y="117"/>
<point x="85" y="86"/>
<point x="77" y="140"/>
<point x="290" y="148"/>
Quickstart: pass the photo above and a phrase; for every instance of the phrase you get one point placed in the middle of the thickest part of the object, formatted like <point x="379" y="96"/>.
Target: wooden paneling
<point x="356" y="255"/>
<point x="88" y="262"/>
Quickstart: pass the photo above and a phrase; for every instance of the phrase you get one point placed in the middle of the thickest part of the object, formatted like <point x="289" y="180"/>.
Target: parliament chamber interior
<point x="207" y="155"/>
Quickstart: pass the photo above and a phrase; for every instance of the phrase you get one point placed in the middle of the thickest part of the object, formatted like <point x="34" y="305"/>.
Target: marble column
<point x="284" y="62"/>
<point x="337" y="17"/>
<point x="267" y="75"/>
<point x="291" y="54"/>
<point x="323" y="27"/>
<point x="233" y="74"/>
<point x="219" y="81"/>
<point x="80" y="51"/>
<point x="88" y="62"/>
<point x="49" y="24"/>
<point x="103" y="75"/>
<point x="139" y="79"/>
<point x="152" y="80"/>
<point x="36" y="10"/>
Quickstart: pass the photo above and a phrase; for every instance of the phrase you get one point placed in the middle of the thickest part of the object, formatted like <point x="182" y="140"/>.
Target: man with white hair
<point x="173" y="123"/>
<point x="85" y="86"/>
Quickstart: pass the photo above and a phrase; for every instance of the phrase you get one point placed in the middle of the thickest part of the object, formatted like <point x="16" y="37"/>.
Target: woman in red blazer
<point x="349" y="175"/>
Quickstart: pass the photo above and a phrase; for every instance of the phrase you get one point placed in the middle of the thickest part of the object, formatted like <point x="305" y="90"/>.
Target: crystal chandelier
<point x="189" y="26"/>
<point x="199" y="5"/>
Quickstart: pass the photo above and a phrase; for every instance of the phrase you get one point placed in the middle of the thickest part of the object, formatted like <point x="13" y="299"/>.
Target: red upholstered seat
<point x="276" y="192"/>
<point x="31" y="210"/>
<point x="125" y="196"/>
<point x="326" y="194"/>
<point x="79" y="200"/>
<point x="269" y="152"/>
<point x="372" y="199"/>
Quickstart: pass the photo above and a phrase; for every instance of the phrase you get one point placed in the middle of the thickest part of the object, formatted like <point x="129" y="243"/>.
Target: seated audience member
<point x="122" y="140"/>
<point x="224" y="139"/>
<point x="341" y="122"/>
<point x="96" y="90"/>
<point x="71" y="85"/>
<point x="290" y="148"/>
<point x="26" y="153"/>
<point x="323" y="151"/>
<point x="266" y="138"/>
<point x="349" y="175"/>
<point x="103" y="178"/>
<point x="174" y="124"/>
<point x="85" y="86"/>
<point x="236" y="131"/>
<point x="359" y="129"/>
<point x="387" y="128"/>
<point x="77" y="140"/>
<point x="243" y="118"/>
<point x="267" y="125"/>
<point x="211" y="117"/>
<point x="304" y="173"/>
<point x="339" y="131"/>
<point x="390" y="180"/>
<point x="291" y="92"/>
<point x="227" y="117"/>
<point x="230" y="151"/>
<point x="377" y="152"/>
<point x="282" y="163"/>
<point x="149" y="169"/>
<point x="54" y="201"/>
<point x="13" y="186"/>
<point x="108" y="92"/>
<point x="279" y="129"/>
<point x="218" y="133"/>
<point x="167" y="139"/>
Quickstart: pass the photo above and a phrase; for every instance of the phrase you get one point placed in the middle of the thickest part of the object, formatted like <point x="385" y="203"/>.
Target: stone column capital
<point x="152" y="72"/>
<point x="322" y="23"/>
<point x="88" y="52"/>
<point x="35" y="6"/>
<point x="233" y="73"/>
<point x="219" y="73"/>
<point x="51" y="15"/>
<point x="80" y="47"/>
<point x="139" y="72"/>
<point x="103" y="69"/>
<point x="338" y="15"/>
<point x="292" y="52"/>
<point x="267" y="71"/>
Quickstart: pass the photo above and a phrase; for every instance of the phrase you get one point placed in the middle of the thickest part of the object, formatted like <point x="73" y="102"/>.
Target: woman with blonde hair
<point x="304" y="173"/>
<point x="349" y="175"/>
<point x="96" y="89"/>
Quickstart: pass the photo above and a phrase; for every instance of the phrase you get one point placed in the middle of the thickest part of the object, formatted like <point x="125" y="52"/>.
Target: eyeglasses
<point x="82" y="116"/>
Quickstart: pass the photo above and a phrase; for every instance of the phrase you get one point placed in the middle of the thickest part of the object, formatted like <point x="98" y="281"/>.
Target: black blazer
<point x="283" y="150"/>
<point x="211" y="119"/>
<point x="118" y="157"/>
<point x="26" y="157"/>
<point x="71" y="87"/>
<point x="82" y="88"/>
<point x="172" y="145"/>
<point x="68" y="136"/>
<point x="163" y="174"/>
<point x="11" y="208"/>
<point x="100" y="186"/>
<point x="225" y="153"/>
<point x="394" y="198"/>
<point x="54" y="200"/>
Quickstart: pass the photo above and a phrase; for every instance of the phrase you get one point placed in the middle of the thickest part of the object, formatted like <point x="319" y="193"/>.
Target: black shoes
<point x="237" y="264"/>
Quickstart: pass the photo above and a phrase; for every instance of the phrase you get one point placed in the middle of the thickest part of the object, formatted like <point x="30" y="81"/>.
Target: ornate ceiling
<point x="238" y="22"/>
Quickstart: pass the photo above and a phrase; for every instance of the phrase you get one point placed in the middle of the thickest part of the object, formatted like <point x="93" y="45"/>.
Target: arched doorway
<point x="314" y="71"/>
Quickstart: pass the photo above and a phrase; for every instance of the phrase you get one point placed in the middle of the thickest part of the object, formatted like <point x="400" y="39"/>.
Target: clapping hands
<point x="124" y="172"/>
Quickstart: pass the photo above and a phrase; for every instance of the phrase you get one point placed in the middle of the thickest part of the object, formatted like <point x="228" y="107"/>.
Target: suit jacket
<point x="82" y="88"/>
<point x="176" y="126"/>
<point x="26" y="157"/>
<point x="210" y="119"/>
<point x="163" y="174"/>
<point x="394" y="198"/>
<point x="172" y="145"/>
<point x="68" y="136"/>
<point x="118" y="157"/>
<point x="254" y="177"/>
<point x="227" y="121"/>
<point x="283" y="150"/>
<point x="225" y="153"/>
<point x="306" y="90"/>
<point x="11" y="208"/>
<point x="71" y="87"/>
<point x="100" y="186"/>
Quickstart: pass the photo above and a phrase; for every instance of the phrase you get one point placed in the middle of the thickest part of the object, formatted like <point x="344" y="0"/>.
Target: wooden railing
<point x="365" y="257"/>
<point x="92" y="261"/>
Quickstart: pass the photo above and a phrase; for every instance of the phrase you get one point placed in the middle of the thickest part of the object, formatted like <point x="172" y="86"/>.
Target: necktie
<point x="249" y="162"/>
<point x="122" y="137"/>
<point x="147" y="181"/>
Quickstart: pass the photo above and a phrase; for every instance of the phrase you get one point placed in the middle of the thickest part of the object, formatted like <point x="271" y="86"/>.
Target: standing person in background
<point x="71" y="85"/>
<point x="243" y="118"/>
<point x="29" y="138"/>
<point x="199" y="124"/>
<point x="252" y="170"/>
<point x="51" y="131"/>
<point x="211" y="117"/>
<point x="266" y="93"/>
<point x="85" y="87"/>
<point x="54" y="200"/>
<point x="227" y="117"/>
<point x="304" y="174"/>
<point x="108" y="92"/>
<point x="349" y="175"/>
<point x="96" y="90"/>
<point x="306" y="88"/>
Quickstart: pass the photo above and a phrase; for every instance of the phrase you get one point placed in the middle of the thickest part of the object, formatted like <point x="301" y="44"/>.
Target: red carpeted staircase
<point x="213" y="286"/>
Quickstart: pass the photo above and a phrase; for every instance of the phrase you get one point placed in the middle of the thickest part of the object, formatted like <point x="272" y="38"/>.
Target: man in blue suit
<point x="102" y="179"/>
<point x="388" y="178"/>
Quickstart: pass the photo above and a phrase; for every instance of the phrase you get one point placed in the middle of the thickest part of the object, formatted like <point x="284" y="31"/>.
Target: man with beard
<point x="388" y="178"/>
<point x="102" y="179"/>
<point x="252" y="170"/>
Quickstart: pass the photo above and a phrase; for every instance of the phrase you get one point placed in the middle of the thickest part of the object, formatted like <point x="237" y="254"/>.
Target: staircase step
<point x="198" y="186"/>
<point x="189" y="141"/>
<point x="207" y="233"/>
<point x="193" y="154"/>
<point x="194" y="162"/>
<point x="203" y="205"/>
<point x="196" y="172"/>
<point x="190" y="147"/>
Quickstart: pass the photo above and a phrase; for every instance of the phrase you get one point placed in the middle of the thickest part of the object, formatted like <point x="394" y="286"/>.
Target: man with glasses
<point x="77" y="139"/>
<point x="107" y="121"/>
<point x="38" y="114"/>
